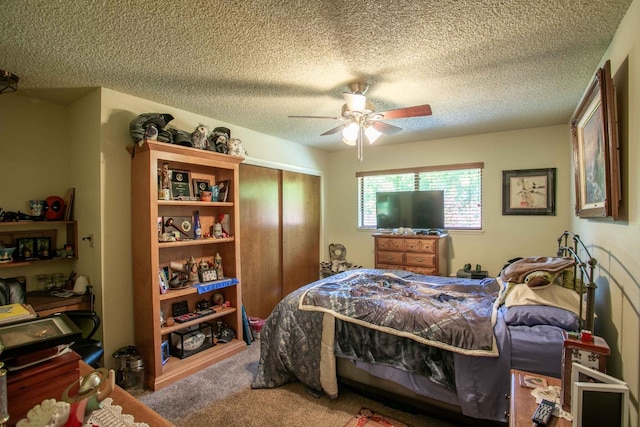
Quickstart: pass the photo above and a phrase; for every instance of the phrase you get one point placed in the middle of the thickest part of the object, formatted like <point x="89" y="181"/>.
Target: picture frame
<point x="180" y="184"/>
<point x="532" y="381"/>
<point x="529" y="192"/>
<point x="43" y="248"/>
<point x="200" y="185"/>
<point x="223" y="190"/>
<point x="25" y="248"/>
<point x="596" y="150"/>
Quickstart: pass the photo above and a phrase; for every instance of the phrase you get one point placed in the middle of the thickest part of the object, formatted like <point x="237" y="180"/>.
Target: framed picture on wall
<point x="529" y="192"/>
<point x="596" y="154"/>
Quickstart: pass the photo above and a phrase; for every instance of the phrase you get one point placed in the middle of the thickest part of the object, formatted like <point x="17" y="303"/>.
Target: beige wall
<point x="615" y="244"/>
<point x="502" y="237"/>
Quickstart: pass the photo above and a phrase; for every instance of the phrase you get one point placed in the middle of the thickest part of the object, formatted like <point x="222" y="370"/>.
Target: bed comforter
<point x="301" y="345"/>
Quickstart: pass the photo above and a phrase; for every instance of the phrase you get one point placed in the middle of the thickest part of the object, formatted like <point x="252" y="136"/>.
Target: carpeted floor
<point x="221" y="395"/>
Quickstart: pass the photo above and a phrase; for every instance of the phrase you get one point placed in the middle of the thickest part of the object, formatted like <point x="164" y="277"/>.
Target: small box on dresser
<point x="592" y="354"/>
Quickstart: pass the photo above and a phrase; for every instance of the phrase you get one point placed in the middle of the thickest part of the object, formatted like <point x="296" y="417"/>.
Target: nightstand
<point x="592" y="354"/>
<point x="522" y="404"/>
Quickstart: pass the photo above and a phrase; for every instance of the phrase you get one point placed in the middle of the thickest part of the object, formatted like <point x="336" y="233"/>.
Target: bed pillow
<point x="533" y="315"/>
<point x="552" y="296"/>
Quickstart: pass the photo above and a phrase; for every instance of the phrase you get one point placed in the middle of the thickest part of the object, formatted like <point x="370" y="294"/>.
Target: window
<point x="462" y="185"/>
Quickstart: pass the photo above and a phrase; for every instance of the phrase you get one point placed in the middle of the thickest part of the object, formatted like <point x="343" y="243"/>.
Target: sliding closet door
<point x="260" y="230"/>
<point x="300" y="230"/>
<point x="280" y="231"/>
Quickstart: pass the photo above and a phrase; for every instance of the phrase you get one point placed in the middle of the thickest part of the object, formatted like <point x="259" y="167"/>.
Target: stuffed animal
<point x="199" y="137"/>
<point x="234" y="146"/>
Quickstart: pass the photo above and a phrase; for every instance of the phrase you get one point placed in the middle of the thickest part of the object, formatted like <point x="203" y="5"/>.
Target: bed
<point x="443" y="341"/>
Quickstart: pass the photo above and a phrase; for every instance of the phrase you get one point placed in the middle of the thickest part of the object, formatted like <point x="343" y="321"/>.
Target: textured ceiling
<point x="483" y="66"/>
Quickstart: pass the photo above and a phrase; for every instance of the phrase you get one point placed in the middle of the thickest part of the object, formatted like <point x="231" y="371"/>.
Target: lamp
<point x="8" y="82"/>
<point x="355" y="132"/>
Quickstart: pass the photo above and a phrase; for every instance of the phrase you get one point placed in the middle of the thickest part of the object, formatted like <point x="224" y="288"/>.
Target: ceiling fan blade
<point x="332" y="131"/>
<point x="386" y="128"/>
<point x="316" y="117"/>
<point x="355" y="101"/>
<point x="400" y="113"/>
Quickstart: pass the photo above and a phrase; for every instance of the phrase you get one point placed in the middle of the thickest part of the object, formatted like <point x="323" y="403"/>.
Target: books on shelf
<point x="15" y="312"/>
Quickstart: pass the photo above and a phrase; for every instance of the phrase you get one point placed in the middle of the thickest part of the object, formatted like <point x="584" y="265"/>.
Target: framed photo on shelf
<point x="223" y="190"/>
<point x="43" y="248"/>
<point x="25" y="248"/>
<point x="529" y="192"/>
<point x="200" y="185"/>
<point x="180" y="184"/>
<point x="596" y="152"/>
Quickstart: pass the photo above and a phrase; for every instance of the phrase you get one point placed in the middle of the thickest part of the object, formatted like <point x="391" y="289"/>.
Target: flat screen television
<point x="598" y="399"/>
<point x="412" y="209"/>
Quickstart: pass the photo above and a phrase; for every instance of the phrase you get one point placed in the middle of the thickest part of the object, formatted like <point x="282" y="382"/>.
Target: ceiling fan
<point x="362" y="120"/>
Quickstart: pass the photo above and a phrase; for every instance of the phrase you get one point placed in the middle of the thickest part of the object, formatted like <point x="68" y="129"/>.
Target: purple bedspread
<point x="291" y="341"/>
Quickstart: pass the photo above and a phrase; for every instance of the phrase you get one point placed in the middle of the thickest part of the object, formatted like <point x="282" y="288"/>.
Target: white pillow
<point x="553" y="296"/>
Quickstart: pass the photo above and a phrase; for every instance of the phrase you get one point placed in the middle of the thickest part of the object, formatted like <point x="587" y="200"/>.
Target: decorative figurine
<point x="165" y="182"/>
<point x="217" y="262"/>
<point x="218" y="139"/>
<point x="234" y="147"/>
<point x="199" y="137"/>
<point x="217" y="231"/>
<point x="150" y="133"/>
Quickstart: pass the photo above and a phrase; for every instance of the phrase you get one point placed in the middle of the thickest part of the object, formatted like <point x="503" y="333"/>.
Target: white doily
<point x="551" y="393"/>
<point x="111" y="416"/>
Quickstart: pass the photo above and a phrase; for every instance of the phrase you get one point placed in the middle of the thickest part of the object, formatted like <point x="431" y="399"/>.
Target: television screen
<point x="412" y="209"/>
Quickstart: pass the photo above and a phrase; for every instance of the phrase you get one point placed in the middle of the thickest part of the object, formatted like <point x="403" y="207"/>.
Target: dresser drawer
<point x="420" y="270"/>
<point x="418" y="245"/>
<point x="390" y="257"/>
<point x="420" y="259"/>
<point x="390" y="244"/>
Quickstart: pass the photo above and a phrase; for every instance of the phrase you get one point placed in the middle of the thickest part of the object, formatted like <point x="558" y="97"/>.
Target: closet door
<point x="300" y="230"/>
<point x="280" y="220"/>
<point x="260" y="224"/>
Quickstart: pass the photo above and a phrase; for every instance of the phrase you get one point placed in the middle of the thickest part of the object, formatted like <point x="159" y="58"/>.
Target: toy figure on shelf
<point x="165" y="182"/>
<point x="217" y="262"/>
<point x="199" y="137"/>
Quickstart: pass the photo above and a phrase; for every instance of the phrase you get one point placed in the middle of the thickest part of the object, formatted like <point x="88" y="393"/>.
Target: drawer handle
<point x="419" y="260"/>
<point x="389" y="258"/>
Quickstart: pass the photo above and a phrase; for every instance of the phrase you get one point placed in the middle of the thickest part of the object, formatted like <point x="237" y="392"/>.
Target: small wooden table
<point x="523" y="405"/>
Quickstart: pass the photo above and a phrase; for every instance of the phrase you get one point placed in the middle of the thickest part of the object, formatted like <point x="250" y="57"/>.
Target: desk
<point x="523" y="405"/>
<point x="45" y="304"/>
<point x="130" y="405"/>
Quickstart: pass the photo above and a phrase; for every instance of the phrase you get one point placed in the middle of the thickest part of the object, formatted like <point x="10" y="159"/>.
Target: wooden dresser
<point x="427" y="255"/>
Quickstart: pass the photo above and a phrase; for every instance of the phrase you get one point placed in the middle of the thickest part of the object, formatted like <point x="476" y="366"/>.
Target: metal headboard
<point x="586" y="274"/>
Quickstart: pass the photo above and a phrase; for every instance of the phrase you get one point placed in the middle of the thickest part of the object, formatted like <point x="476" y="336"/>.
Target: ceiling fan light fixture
<point x="350" y="132"/>
<point x="372" y="134"/>
<point x="349" y="142"/>
<point x="355" y="102"/>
